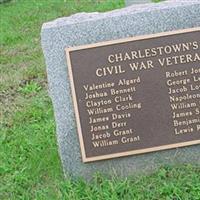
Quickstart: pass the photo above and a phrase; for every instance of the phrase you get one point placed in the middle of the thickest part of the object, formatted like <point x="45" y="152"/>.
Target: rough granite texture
<point x="131" y="2"/>
<point x="87" y="28"/>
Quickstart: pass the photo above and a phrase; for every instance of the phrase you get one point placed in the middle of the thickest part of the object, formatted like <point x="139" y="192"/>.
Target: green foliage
<point x="4" y="1"/>
<point x="29" y="163"/>
<point x="157" y="1"/>
<point x="31" y="87"/>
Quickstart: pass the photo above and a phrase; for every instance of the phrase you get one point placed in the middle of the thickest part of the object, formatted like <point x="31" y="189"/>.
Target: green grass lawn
<point x="29" y="163"/>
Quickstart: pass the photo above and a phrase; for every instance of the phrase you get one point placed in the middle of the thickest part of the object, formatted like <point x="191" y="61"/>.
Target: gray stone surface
<point x="90" y="28"/>
<point x="131" y="2"/>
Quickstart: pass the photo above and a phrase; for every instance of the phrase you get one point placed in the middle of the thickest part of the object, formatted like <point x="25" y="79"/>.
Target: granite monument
<point x="91" y="28"/>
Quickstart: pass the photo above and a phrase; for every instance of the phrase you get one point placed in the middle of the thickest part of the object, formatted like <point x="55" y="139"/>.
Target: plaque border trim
<point x="75" y="103"/>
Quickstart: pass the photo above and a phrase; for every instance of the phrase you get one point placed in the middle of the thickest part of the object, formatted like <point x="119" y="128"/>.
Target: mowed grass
<point x="29" y="163"/>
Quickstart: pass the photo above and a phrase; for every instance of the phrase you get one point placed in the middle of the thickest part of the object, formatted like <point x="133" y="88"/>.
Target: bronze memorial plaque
<point x="136" y="95"/>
